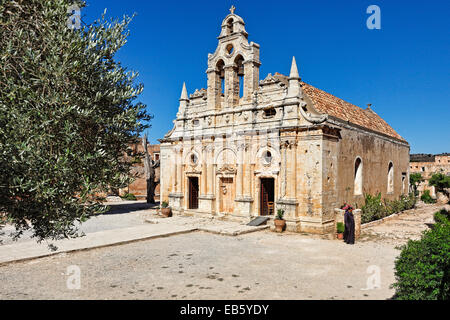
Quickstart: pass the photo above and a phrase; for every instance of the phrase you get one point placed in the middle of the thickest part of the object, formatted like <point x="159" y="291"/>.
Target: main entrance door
<point x="193" y="193"/>
<point x="267" y="196"/>
<point x="226" y="195"/>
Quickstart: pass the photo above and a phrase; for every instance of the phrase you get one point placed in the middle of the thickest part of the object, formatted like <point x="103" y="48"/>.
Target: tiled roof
<point x="329" y="104"/>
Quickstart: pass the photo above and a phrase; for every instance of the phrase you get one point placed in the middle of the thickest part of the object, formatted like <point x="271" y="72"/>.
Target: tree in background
<point x="67" y="116"/>
<point x="440" y="181"/>
<point x="415" y="179"/>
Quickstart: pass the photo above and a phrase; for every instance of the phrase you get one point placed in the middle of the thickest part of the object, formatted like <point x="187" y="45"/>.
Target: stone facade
<point x="427" y="165"/>
<point x="243" y="147"/>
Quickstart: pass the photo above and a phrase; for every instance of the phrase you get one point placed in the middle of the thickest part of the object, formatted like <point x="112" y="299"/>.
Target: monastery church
<point x="244" y="148"/>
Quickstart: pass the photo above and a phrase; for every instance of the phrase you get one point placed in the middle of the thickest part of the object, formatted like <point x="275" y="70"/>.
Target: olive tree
<point x="68" y="114"/>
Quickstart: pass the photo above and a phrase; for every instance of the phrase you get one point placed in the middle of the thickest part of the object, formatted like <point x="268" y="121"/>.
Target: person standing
<point x="349" y="220"/>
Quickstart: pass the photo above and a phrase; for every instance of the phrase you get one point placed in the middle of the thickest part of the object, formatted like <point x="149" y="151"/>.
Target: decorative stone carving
<point x="227" y="169"/>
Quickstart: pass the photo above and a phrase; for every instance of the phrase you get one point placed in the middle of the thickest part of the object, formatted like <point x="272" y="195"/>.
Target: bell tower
<point x="233" y="69"/>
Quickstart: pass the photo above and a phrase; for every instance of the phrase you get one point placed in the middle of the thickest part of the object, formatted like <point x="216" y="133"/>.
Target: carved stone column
<point x="231" y="86"/>
<point x="291" y="180"/>
<point x="247" y="172"/>
<point x="175" y="171"/>
<point x="210" y="171"/>
<point x="175" y="198"/>
<point x="243" y="204"/>
<point x="283" y="169"/>
<point x="240" y="172"/>
<point x="204" y="176"/>
<point x="179" y="189"/>
<point x="287" y="200"/>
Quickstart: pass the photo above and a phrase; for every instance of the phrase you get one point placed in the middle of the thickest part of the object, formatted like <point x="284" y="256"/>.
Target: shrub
<point x="426" y="197"/>
<point x="422" y="269"/>
<point x="394" y="206"/>
<point x="280" y="214"/>
<point x="442" y="216"/>
<point x="129" y="196"/>
<point x="165" y="204"/>
<point x="409" y="201"/>
<point x="373" y="208"/>
<point x="440" y="181"/>
<point x="340" y="227"/>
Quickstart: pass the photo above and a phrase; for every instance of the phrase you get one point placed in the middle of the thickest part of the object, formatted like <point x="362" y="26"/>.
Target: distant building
<point x="427" y="165"/>
<point x="139" y="186"/>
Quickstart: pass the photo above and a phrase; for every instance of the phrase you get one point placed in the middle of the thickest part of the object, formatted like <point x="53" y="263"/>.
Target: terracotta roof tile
<point x="329" y="104"/>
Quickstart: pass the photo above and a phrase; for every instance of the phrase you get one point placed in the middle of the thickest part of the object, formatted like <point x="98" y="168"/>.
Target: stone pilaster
<point x="291" y="169"/>
<point x="176" y="197"/>
<point x="204" y="175"/>
<point x="287" y="200"/>
<point x="231" y="87"/>
<point x="214" y="90"/>
<point x="243" y="204"/>
<point x="247" y="172"/>
<point x="240" y="172"/>
<point x="251" y="79"/>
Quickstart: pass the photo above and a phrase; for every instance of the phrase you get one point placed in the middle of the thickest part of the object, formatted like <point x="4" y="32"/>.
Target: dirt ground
<point x="262" y="265"/>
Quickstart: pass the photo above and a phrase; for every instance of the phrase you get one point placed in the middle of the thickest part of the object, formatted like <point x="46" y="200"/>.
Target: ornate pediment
<point x="269" y="80"/>
<point x="227" y="169"/>
<point x="198" y="94"/>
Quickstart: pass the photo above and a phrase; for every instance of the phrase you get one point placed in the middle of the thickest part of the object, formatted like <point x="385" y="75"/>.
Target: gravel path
<point x="262" y="265"/>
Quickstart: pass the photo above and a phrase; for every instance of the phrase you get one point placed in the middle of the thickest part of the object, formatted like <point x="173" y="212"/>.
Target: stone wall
<point x="441" y="164"/>
<point x="376" y="153"/>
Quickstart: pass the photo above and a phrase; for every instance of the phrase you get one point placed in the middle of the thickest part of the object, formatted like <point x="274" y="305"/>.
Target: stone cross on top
<point x="232" y="9"/>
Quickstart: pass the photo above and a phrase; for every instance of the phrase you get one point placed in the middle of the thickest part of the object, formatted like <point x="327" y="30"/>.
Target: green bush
<point x="280" y="214"/>
<point x="409" y="201"/>
<point x="373" y="208"/>
<point x="394" y="206"/>
<point x="340" y="227"/>
<point x="442" y="216"/>
<point x="440" y="181"/>
<point x="426" y="197"/>
<point x="422" y="269"/>
<point x="165" y="204"/>
<point x="129" y="196"/>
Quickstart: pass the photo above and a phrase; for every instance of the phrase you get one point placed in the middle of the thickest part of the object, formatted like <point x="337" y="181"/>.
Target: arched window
<point x="358" y="182"/>
<point x="230" y="27"/>
<point x="390" y="183"/>
<point x="221" y="76"/>
<point x="239" y="61"/>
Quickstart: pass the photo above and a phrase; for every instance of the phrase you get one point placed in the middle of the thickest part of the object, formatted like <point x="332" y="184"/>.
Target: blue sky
<point x="402" y="70"/>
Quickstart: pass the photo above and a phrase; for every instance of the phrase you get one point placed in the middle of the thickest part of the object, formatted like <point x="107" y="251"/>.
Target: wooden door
<point x="193" y="193"/>
<point x="226" y="195"/>
<point x="267" y="195"/>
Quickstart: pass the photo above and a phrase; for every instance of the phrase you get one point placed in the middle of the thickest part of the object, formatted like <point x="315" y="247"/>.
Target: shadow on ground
<point x="121" y="208"/>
